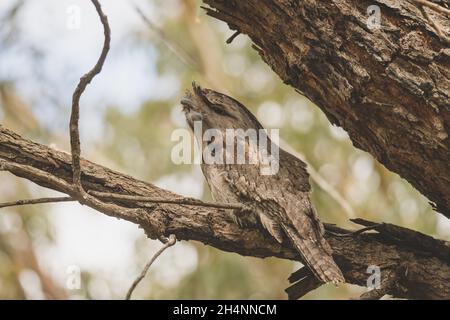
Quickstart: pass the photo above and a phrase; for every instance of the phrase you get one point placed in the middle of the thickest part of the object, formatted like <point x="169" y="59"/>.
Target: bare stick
<point x="35" y="201"/>
<point x="76" y="189"/>
<point x="435" y="25"/>
<point x="170" y="242"/>
<point x="75" y="115"/>
<point x="433" y="6"/>
<point x="233" y="36"/>
<point x="31" y="172"/>
<point x="177" y="50"/>
<point x="185" y="201"/>
<point x="354" y="233"/>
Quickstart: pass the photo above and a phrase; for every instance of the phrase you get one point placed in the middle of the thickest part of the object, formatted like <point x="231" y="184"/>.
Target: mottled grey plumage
<point x="280" y="202"/>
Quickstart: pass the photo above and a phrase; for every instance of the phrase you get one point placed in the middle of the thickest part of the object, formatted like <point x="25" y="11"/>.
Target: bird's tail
<point x="317" y="257"/>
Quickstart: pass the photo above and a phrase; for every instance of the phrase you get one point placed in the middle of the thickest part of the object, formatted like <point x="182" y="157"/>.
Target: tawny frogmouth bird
<point x="279" y="201"/>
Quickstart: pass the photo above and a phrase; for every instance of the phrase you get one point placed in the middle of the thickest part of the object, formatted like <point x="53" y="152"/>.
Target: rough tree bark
<point x="388" y="88"/>
<point x="413" y="265"/>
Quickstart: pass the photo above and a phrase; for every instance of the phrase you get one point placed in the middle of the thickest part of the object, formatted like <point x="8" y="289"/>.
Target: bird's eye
<point x="220" y="110"/>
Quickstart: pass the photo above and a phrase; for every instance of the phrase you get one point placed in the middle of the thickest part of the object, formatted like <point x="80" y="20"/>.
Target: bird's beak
<point x="194" y="100"/>
<point x="186" y="102"/>
<point x="190" y="109"/>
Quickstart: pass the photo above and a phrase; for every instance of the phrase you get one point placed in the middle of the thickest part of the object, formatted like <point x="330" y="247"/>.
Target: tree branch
<point x="174" y="47"/>
<point x="184" y="200"/>
<point x="388" y="88"/>
<point x="35" y="201"/>
<point x="436" y="26"/>
<point x="418" y="264"/>
<point x="433" y="6"/>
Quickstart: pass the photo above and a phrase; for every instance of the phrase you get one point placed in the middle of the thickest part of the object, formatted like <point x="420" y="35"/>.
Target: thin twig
<point x="77" y="187"/>
<point x="31" y="173"/>
<point x="435" y="25"/>
<point x="433" y="6"/>
<point x="59" y="184"/>
<point x="170" y="242"/>
<point x="36" y="201"/>
<point x="75" y="115"/>
<point x="176" y="49"/>
<point x="185" y="201"/>
<point x="233" y="36"/>
<point x="354" y="233"/>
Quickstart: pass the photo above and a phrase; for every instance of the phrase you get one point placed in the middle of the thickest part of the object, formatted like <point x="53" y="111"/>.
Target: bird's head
<point x="229" y="132"/>
<point x="216" y="111"/>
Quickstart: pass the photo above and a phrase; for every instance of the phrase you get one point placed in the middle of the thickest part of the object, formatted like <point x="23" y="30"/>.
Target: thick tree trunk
<point x="412" y="265"/>
<point x="388" y="88"/>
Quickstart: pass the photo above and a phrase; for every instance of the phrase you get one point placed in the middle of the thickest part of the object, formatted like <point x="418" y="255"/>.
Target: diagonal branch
<point x="427" y="16"/>
<point x="174" y="47"/>
<point x="418" y="264"/>
<point x="433" y="6"/>
<point x="35" y="201"/>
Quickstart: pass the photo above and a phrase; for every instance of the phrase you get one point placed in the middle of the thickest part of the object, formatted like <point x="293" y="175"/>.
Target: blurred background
<point x="67" y="251"/>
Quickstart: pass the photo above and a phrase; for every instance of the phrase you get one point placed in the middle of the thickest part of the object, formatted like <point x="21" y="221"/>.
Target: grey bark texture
<point x="388" y="88"/>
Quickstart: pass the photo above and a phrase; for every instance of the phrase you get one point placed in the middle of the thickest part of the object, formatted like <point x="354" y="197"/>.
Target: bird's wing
<point x="284" y="209"/>
<point x="279" y="199"/>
